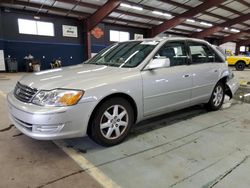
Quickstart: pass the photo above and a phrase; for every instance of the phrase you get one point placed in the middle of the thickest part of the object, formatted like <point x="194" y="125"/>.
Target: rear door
<point x="169" y="88"/>
<point x="205" y="67"/>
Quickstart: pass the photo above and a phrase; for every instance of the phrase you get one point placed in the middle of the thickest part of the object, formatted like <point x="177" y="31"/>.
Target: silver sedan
<point x="122" y="85"/>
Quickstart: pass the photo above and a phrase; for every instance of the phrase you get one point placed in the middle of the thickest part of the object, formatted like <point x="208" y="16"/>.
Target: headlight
<point x="57" y="97"/>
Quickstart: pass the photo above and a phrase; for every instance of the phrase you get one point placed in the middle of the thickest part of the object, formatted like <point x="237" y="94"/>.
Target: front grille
<point x="24" y="93"/>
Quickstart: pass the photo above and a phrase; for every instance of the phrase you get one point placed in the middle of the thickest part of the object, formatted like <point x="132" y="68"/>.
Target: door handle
<point x="215" y="70"/>
<point x="186" y="75"/>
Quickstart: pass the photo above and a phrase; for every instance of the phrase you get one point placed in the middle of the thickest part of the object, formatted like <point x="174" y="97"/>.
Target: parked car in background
<point x="123" y="84"/>
<point x="247" y="54"/>
<point x="240" y="62"/>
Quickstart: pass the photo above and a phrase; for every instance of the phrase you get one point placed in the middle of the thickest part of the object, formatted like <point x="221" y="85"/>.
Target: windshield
<point x="125" y="54"/>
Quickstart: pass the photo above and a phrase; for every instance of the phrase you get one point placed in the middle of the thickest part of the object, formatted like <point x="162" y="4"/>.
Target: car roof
<point x="160" y="39"/>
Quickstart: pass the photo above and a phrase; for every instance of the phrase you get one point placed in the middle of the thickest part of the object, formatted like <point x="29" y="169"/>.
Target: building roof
<point x="226" y="20"/>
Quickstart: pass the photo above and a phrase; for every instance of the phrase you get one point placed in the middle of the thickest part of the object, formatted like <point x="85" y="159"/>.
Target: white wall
<point x="2" y="64"/>
<point x="229" y="46"/>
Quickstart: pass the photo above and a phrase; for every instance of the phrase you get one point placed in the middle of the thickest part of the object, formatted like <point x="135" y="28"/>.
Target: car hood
<point x="74" y="77"/>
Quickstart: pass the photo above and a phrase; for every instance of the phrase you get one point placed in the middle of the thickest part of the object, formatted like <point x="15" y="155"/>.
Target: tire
<point x="240" y="66"/>
<point x="112" y="121"/>
<point x="217" y="97"/>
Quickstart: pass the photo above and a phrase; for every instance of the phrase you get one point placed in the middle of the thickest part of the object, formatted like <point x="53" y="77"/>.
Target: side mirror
<point x="158" y="63"/>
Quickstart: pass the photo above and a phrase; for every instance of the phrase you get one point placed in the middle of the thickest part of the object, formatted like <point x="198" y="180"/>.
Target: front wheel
<point x="112" y="122"/>
<point x="217" y="97"/>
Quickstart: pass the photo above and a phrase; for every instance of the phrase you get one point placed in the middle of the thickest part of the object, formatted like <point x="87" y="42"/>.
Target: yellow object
<point x="232" y="59"/>
<point x="69" y="99"/>
<point x="243" y="82"/>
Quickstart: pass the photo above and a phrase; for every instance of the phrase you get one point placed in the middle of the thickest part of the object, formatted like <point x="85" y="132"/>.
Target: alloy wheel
<point x="114" y="122"/>
<point x="218" y="95"/>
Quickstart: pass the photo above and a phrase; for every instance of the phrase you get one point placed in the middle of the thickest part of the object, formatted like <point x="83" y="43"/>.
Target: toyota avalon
<point x="123" y="84"/>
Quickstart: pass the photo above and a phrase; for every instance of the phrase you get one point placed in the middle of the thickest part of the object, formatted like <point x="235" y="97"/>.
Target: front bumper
<point x="49" y="123"/>
<point x="233" y="85"/>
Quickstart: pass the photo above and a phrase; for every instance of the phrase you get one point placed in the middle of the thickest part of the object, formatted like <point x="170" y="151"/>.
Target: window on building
<point x="45" y="28"/>
<point x="119" y="36"/>
<point x="242" y="48"/>
<point x="27" y="27"/>
<point x="32" y="27"/>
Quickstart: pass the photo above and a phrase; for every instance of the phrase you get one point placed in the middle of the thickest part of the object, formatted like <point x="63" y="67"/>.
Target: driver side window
<point x="174" y="51"/>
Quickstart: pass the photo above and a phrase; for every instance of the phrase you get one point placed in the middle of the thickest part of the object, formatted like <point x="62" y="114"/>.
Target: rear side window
<point x="175" y="51"/>
<point x="202" y="53"/>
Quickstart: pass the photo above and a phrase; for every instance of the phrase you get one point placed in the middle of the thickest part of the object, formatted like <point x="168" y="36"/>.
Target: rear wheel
<point x="240" y="66"/>
<point x="217" y="97"/>
<point x="112" y="122"/>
